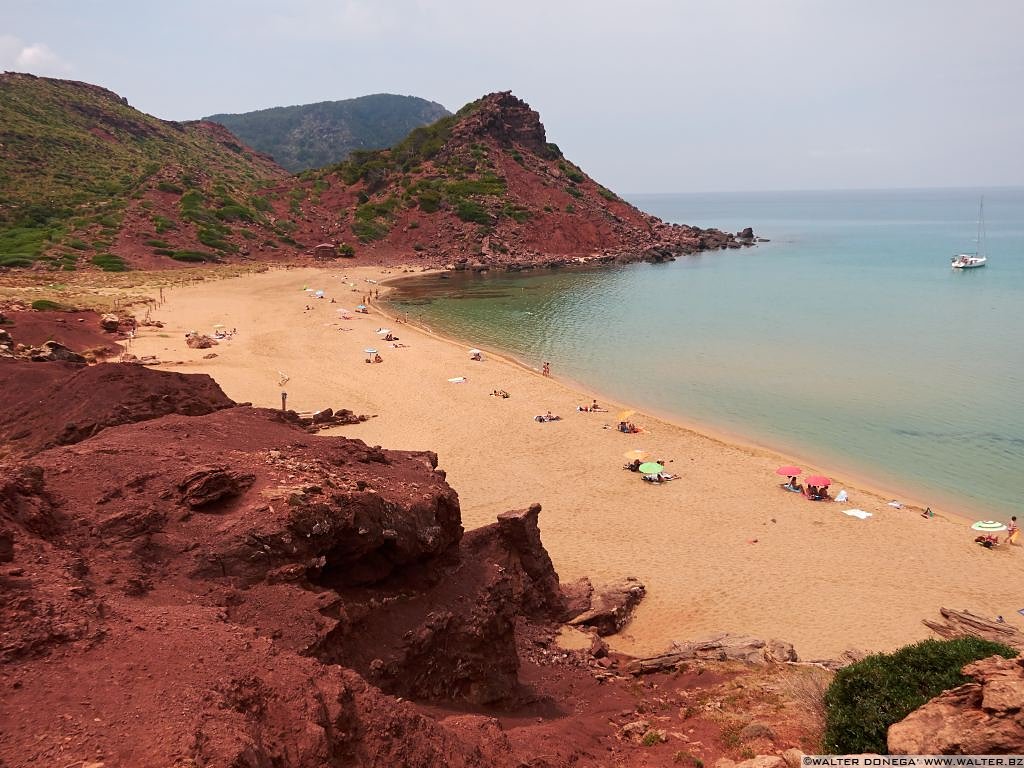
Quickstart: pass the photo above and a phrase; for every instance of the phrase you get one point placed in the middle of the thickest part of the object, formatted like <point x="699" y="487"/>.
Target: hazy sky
<point x="645" y="95"/>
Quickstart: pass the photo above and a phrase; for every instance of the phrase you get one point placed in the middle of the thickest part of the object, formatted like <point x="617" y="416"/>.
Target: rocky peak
<point x="506" y="119"/>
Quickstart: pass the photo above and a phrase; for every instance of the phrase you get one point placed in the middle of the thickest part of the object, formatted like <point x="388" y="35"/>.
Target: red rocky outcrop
<point x="985" y="717"/>
<point x="63" y="403"/>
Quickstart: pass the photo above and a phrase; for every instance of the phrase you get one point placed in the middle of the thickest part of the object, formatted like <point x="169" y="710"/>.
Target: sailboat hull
<point x="971" y="262"/>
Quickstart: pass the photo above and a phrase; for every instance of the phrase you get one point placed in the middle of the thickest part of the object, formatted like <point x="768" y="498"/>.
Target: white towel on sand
<point x="895" y="504"/>
<point x="857" y="513"/>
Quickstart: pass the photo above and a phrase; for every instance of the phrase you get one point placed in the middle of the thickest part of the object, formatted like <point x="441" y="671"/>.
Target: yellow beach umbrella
<point x="623" y="415"/>
<point x="636" y="455"/>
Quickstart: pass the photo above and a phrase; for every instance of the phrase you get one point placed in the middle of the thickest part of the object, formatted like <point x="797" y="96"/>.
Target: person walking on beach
<point x="1012" y="531"/>
<point x="546" y="368"/>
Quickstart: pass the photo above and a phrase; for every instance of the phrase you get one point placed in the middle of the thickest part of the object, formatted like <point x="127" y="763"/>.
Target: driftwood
<point x="718" y="647"/>
<point x="965" y="623"/>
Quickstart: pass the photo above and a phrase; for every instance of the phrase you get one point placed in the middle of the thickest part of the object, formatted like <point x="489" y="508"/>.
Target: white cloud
<point x="36" y="58"/>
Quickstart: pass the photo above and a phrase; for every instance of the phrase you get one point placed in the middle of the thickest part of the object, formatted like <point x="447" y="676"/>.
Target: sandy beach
<point x="722" y="548"/>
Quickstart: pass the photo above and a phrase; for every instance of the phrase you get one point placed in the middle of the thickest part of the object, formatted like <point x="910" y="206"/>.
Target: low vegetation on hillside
<point x="76" y="159"/>
<point x="866" y="698"/>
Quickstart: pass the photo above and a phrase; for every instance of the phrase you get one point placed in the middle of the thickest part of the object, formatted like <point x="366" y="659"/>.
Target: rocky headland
<point x="95" y="185"/>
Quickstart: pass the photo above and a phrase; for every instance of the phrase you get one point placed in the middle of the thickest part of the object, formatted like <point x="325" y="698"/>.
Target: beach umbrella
<point x="623" y="415"/>
<point x="818" y="481"/>
<point x="636" y="455"/>
<point x="370" y="351"/>
<point x="989" y="526"/>
<point x="383" y="331"/>
<point x="319" y="294"/>
<point x="651" y="467"/>
<point x="360" y="306"/>
<point x="789" y="471"/>
<point x="475" y="351"/>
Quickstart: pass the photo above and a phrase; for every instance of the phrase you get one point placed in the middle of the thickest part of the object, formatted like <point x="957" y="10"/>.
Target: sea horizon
<point x="833" y="341"/>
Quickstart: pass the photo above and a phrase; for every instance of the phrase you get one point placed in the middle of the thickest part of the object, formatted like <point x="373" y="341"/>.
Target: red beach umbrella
<point x="788" y="471"/>
<point x="818" y="481"/>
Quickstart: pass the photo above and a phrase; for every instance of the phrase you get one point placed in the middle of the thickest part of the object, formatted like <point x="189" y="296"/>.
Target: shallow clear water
<point x="846" y="339"/>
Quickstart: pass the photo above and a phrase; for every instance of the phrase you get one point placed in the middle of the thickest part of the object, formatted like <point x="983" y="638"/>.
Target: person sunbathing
<point x="378" y="359"/>
<point x="987" y="540"/>
<point x="633" y="466"/>
<point x="792" y="485"/>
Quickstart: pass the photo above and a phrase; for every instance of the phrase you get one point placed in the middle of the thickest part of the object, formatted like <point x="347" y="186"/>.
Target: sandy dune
<point x="722" y="548"/>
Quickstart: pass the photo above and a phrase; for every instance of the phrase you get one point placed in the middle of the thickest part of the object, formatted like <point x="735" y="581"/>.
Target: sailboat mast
<point x="981" y="227"/>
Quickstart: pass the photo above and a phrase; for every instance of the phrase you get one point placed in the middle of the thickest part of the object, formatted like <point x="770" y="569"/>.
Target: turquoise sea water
<point x="846" y="339"/>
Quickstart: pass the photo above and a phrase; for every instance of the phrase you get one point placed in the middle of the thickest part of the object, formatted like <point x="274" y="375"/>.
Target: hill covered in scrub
<point x="77" y="162"/>
<point x="315" y="135"/>
<point x="88" y="182"/>
<point x="485" y="186"/>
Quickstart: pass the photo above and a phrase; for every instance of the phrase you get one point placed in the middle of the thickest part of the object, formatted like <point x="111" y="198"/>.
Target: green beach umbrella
<point x="989" y="526"/>
<point x="651" y="467"/>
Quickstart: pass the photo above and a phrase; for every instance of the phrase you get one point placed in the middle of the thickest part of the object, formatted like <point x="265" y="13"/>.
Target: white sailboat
<point x="978" y="258"/>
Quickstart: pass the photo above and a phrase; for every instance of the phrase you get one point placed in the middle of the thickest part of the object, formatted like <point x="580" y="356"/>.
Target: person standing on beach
<point x="1012" y="531"/>
<point x="546" y="368"/>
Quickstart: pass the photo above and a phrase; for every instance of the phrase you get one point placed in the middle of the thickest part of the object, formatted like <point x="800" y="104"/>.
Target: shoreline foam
<point x="721" y="549"/>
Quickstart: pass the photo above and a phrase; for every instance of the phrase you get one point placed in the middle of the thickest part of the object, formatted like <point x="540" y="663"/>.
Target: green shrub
<point x="572" y="172"/>
<point x="574" y="191"/>
<point x="164" y="251"/>
<point x="78" y="245"/>
<point x="487" y="184"/>
<point x="515" y="212"/>
<point x="45" y="305"/>
<point x="260" y="203"/>
<point x="470" y="210"/>
<point x="234" y="212"/>
<point x="607" y="194"/>
<point x="429" y="201"/>
<point x="570" y="208"/>
<point x="21" y="244"/>
<point x="109" y="262"/>
<point x="865" y="698"/>
<point x="193" y="256"/>
<point x="346" y="250"/>
<point x="213" y="238"/>
<point x="166" y="186"/>
<point x="15" y="261"/>
<point x="161" y="224"/>
<point x="157" y="244"/>
<point x="369" y="230"/>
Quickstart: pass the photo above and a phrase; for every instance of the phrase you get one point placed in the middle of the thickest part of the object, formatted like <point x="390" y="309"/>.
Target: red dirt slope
<point x="50" y="404"/>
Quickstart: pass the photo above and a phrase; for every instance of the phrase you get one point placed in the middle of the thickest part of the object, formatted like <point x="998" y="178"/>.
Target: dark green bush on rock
<point x="866" y="698"/>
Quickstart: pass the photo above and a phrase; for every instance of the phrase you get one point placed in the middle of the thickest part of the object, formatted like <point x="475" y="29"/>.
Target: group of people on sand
<point x="500" y="393"/>
<point x="547" y="417"/>
<point x="651" y="477"/>
<point x="990" y="540"/>
<point x="628" y="427"/>
<point x="375" y="359"/>
<point x="592" y="408"/>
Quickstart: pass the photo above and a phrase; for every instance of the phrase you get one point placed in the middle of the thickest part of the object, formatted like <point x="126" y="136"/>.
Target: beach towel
<point x="842" y="497"/>
<point x="895" y="504"/>
<point x="457" y="380"/>
<point x="858" y="513"/>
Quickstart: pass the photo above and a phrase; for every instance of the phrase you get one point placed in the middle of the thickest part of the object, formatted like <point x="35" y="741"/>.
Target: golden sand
<point x="723" y="548"/>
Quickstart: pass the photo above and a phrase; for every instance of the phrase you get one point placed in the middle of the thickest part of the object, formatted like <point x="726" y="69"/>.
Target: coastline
<point x="723" y="549"/>
<point x="910" y="499"/>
